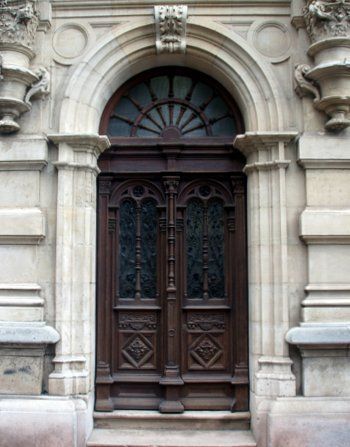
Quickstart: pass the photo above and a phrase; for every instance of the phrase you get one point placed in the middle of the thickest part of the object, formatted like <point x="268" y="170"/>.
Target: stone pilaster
<point x="268" y="261"/>
<point x="75" y="262"/>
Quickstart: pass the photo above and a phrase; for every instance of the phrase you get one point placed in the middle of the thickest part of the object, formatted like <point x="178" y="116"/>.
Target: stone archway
<point x="121" y="54"/>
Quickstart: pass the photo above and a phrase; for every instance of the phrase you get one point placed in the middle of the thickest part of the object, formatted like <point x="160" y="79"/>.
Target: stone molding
<point x="251" y="142"/>
<point x="326" y="19"/>
<point x="28" y="334"/>
<point x="321" y="151"/>
<point x="19" y="20"/>
<point x="24" y="153"/>
<point x="325" y="226"/>
<point x="24" y="226"/>
<point x="170" y="28"/>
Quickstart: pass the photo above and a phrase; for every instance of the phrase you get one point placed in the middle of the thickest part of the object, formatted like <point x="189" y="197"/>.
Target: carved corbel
<point x="170" y="28"/>
<point x="39" y="88"/>
<point x="303" y="85"/>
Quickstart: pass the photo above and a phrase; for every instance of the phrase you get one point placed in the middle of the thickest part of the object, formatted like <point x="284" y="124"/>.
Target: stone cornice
<point x="257" y="141"/>
<point x="82" y="141"/>
<point x="308" y="336"/>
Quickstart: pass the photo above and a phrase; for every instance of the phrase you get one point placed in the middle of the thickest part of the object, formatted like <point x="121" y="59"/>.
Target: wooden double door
<point x="172" y="308"/>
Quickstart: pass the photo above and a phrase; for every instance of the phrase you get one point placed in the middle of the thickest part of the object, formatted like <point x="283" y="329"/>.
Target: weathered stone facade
<point x="287" y="65"/>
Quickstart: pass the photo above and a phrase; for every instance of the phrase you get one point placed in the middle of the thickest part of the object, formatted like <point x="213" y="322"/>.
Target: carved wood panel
<point x="172" y="305"/>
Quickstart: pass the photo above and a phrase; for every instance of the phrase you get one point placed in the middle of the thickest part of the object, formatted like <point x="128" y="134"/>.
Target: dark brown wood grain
<point x="172" y="352"/>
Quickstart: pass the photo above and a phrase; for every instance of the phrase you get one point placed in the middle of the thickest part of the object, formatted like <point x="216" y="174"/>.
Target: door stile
<point x="103" y="367"/>
<point x="240" y="376"/>
<point x="171" y="378"/>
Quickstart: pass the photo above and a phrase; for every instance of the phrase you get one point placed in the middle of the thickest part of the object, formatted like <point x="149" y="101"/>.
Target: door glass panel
<point x="216" y="275"/>
<point x="148" y="249"/>
<point x="194" y="243"/>
<point x="127" y="249"/>
<point x="192" y="106"/>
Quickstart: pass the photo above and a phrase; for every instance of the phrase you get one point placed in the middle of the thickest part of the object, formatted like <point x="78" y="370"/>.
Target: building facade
<point x="272" y="341"/>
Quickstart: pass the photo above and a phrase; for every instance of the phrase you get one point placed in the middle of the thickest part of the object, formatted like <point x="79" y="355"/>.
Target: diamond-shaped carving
<point x="138" y="350"/>
<point x="206" y="351"/>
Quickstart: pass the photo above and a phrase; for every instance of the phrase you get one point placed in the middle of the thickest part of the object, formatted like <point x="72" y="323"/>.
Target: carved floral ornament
<point x="19" y="20"/>
<point x="170" y="28"/>
<point x="326" y="19"/>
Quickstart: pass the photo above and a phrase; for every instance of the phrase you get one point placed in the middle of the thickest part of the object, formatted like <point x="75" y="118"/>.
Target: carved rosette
<point x="170" y="28"/>
<point x="19" y="20"/>
<point x="325" y="19"/>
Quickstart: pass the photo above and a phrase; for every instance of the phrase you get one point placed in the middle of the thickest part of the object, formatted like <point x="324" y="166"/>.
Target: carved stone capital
<point x="19" y="20"/>
<point x="170" y="28"/>
<point x="327" y="18"/>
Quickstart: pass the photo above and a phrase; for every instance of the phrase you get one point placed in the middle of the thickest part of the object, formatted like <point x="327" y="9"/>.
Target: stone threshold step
<point x="171" y="438"/>
<point x="143" y="419"/>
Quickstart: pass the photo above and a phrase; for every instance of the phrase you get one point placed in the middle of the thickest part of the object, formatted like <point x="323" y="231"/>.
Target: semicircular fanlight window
<point x="172" y="106"/>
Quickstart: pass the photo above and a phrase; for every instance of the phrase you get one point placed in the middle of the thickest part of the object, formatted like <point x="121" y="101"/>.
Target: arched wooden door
<point x="171" y="286"/>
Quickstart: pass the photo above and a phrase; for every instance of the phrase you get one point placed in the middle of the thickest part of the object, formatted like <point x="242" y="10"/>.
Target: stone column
<point x="270" y="363"/>
<point x="75" y="262"/>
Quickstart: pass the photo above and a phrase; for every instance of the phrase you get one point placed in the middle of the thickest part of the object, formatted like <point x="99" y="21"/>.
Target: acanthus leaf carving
<point x="39" y="88"/>
<point x="325" y="19"/>
<point x="170" y="28"/>
<point x="303" y="85"/>
<point x="19" y="20"/>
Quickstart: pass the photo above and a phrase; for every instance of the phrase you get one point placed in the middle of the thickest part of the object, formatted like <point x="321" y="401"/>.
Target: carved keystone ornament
<point x="170" y="28"/>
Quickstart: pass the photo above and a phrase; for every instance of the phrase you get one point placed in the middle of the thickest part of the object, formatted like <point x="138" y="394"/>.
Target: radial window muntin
<point x="200" y="107"/>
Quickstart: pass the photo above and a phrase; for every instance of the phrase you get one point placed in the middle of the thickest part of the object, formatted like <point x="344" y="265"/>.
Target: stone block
<point x="309" y="422"/>
<point x="21" y="370"/>
<point x="43" y="421"/>
<point x="325" y="226"/>
<point x="21" y="226"/>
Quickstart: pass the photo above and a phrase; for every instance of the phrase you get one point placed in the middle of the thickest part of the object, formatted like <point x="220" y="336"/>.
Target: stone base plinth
<point x="44" y="421"/>
<point x="309" y="422"/>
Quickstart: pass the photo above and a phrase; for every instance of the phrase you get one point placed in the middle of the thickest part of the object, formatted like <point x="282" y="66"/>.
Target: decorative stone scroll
<point x="19" y="20"/>
<point x="41" y="87"/>
<point x="303" y="85"/>
<point x="326" y="19"/>
<point x="170" y="28"/>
